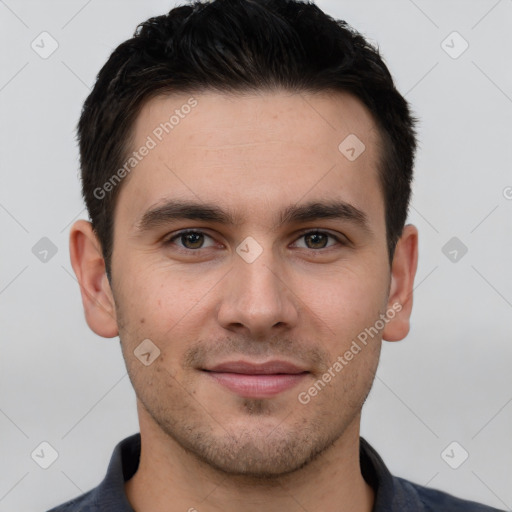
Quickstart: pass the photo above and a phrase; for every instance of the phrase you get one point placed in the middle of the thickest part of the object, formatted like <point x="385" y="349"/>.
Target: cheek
<point x="163" y="303"/>
<point x="347" y="299"/>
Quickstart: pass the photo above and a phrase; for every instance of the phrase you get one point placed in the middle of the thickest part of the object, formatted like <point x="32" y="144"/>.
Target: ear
<point x="89" y="266"/>
<point x="403" y="270"/>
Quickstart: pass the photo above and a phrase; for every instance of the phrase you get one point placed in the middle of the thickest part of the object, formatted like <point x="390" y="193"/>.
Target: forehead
<point x="222" y="118"/>
<point x="254" y="150"/>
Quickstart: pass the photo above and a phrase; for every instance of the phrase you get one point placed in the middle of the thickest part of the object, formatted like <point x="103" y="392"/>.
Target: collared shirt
<point x="392" y="494"/>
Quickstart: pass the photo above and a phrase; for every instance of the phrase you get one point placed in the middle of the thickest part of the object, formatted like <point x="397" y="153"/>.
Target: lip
<point x="257" y="380"/>
<point x="251" y="368"/>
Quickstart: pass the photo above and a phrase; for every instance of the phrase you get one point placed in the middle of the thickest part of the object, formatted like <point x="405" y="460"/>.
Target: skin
<point x="303" y="300"/>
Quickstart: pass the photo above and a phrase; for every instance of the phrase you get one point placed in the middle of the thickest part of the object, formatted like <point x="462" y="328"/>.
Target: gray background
<point x="450" y="380"/>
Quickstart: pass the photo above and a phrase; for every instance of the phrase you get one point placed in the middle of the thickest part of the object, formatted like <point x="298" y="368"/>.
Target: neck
<point x="170" y="479"/>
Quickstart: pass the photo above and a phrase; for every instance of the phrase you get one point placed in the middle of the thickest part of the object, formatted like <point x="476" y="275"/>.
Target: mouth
<point x="257" y="380"/>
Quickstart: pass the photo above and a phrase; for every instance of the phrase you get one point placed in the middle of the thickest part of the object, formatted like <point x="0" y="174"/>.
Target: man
<point x="246" y="165"/>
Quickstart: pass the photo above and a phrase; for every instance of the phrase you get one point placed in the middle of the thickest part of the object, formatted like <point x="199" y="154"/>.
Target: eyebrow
<point x="172" y="210"/>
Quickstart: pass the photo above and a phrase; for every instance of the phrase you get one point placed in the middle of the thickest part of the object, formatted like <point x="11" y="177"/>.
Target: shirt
<point x="392" y="494"/>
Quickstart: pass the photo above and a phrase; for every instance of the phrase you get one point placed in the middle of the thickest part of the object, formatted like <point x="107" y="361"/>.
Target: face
<point x="251" y="251"/>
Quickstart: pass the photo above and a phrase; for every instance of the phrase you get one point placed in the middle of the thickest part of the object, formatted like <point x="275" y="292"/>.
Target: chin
<point x="259" y="453"/>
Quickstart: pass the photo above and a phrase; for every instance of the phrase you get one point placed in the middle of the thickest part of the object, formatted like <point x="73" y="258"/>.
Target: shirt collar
<point x="390" y="494"/>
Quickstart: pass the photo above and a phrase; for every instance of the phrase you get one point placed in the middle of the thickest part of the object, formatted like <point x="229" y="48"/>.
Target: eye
<point x="191" y="240"/>
<point x="318" y="240"/>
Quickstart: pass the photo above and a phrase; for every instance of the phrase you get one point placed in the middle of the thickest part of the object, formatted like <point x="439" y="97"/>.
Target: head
<point x="275" y="136"/>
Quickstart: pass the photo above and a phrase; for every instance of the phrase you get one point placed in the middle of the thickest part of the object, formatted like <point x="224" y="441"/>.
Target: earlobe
<point x="89" y="267"/>
<point x="403" y="270"/>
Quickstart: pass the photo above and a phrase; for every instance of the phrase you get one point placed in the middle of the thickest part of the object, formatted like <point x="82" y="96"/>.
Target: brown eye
<point x="316" y="240"/>
<point x="192" y="240"/>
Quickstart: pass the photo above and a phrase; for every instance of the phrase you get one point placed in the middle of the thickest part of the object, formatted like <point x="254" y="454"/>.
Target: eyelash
<point x="178" y="235"/>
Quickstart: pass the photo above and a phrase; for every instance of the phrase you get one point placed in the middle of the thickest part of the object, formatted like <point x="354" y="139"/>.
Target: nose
<point x="257" y="300"/>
